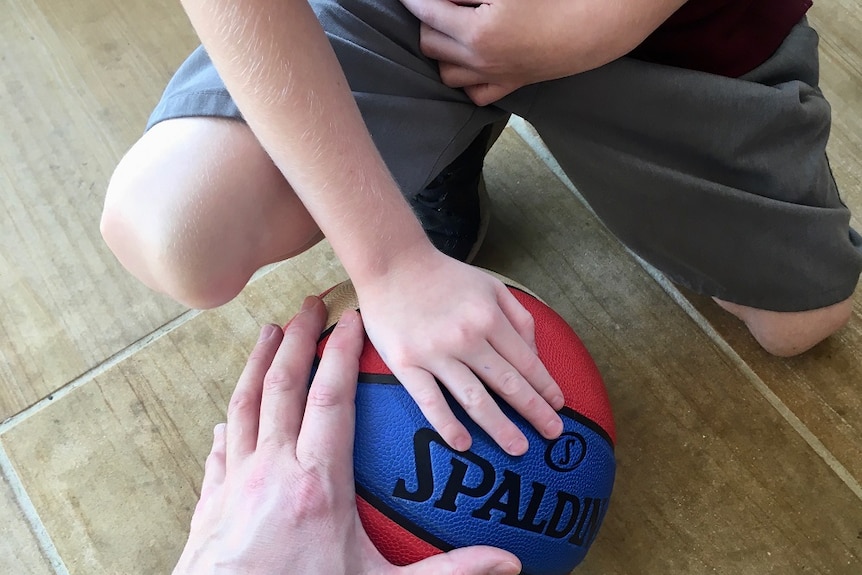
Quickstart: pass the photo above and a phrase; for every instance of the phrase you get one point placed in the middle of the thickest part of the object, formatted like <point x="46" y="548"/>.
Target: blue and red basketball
<point x="417" y="497"/>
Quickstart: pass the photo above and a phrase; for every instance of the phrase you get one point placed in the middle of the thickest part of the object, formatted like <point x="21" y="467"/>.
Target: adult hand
<point x="437" y="319"/>
<point x="277" y="494"/>
<point x="493" y="47"/>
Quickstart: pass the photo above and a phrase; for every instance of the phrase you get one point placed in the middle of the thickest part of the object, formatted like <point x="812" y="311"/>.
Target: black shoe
<point x="453" y="207"/>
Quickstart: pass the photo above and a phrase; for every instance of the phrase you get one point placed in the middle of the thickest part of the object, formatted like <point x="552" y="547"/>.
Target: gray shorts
<point x="721" y="183"/>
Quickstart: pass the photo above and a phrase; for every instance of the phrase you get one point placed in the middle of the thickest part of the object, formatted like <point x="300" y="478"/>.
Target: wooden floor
<point x="730" y="461"/>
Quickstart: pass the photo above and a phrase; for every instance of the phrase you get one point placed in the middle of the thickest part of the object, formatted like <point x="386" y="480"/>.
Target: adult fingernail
<point x="517" y="446"/>
<point x="347" y="318"/>
<point x="267" y="332"/>
<point x="308" y="303"/>
<point x="507" y="568"/>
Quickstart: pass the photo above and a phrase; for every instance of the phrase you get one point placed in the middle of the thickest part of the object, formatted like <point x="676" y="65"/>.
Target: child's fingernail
<point x="267" y="332"/>
<point x="308" y="303"/>
<point x="558" y="402"/>
<point x="554" y="427"/>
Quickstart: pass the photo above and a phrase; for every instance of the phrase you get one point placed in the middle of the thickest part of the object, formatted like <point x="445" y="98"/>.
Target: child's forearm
<point x="280" y="69"/>
<point x="283" y="75"/>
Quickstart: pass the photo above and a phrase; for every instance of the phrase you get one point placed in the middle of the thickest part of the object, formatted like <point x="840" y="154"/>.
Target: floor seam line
<point x="31" y="515"/>
<point x="114" y="359"/>
<point x="97" y="370"/>
<point x="789" y="416"/>
<point x="535" y="143"/>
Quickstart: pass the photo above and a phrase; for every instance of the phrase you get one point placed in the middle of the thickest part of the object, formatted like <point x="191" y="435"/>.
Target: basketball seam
<point x="403" y="522"/>
<point x="381" y="378"/>
<point x="588" y="423"/>
<point x="389" y="512"/>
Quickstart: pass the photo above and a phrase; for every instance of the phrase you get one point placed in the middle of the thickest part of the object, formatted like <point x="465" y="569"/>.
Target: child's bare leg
<point x="196" y="207"/>
<point x="790" y="333"/>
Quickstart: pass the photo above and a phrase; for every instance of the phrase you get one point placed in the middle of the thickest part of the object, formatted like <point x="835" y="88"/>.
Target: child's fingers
<point x="472" y="395"/>
<point x="425" y="391"/>
<point x="518" y="345"/>
<point x="514" y="388"/>
<point x="448" y="17"/>
<point x="521" y="319"/>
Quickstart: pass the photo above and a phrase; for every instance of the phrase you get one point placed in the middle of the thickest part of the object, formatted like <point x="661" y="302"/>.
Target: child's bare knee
<point x="786" y="334"/>
<point x="152" y="242"/>
<point x="196" y="206"/>
<point x="122" y="226"/>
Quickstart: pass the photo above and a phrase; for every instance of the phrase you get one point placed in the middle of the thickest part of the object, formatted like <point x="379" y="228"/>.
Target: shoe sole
<point x="484" y="219"/>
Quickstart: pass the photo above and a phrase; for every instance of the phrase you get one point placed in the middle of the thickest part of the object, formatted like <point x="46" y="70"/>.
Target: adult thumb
<point x="479" y="560"/>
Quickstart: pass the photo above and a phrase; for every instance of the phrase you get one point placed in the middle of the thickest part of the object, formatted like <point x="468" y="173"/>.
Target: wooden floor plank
<point x="711" y="478"/>
<point x="82" y="78"/>
<point x="824" y="387"/>
<point x="717" y="455"/>
<point x="124" y="474"/>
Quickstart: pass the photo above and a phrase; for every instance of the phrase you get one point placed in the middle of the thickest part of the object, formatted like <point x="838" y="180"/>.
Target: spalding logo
<point x="566" y="452"/>
<point x="565" y="515"/>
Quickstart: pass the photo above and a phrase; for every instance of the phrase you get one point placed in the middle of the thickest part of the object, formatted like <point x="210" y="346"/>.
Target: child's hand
<point x="440" y="318"/>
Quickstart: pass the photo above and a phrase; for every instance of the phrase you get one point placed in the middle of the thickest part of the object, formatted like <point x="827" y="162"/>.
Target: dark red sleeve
<point x="726" y="37"/>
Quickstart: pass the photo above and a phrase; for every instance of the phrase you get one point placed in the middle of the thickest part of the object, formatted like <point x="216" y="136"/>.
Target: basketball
<point x="417" y="497"/>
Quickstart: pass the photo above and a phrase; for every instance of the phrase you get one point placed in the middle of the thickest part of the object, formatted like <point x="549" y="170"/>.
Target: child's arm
<point x="428" y="315"/>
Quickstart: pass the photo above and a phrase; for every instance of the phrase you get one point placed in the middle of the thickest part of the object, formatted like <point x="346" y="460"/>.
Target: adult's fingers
<point x="214" y="467"/>
<point x="326" y="437"/>
<point x="243" y="411"/>
<point x="285" y="384"/>
<point x="214" y="472"/>
<point x="466" y="561"/>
